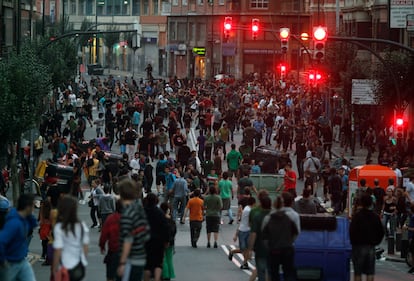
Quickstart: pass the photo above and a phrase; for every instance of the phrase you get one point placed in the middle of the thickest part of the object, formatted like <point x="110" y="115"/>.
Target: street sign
<point x="363" y="91"/>
<point x="399" y="9"/>
<point x="201" y="51"/>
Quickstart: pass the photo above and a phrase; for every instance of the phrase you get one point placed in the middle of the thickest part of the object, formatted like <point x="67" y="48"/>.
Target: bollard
<point x="391" y="245"/>
<point x="404" y="243"/>
<point x="398" y="236"/>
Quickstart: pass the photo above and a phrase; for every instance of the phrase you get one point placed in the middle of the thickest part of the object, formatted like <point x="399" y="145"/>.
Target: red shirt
<point x="110" y="233"/>
<point x="290" y="184"/>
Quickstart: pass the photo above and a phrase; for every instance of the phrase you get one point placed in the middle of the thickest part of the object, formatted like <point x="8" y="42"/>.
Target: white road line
<point x="236" y="261"/>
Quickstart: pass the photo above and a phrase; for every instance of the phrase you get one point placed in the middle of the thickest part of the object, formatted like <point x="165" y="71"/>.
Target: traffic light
<point x="399" y="122"/>
<point x="284" y="35"/>
<point x="320" y="35"/>
<point x="227" y="26"/>
<point x="314" y="77"/>
<point x="255" y="28"/>
<point x="282" y="70"/>
<point x="311" y="76"/>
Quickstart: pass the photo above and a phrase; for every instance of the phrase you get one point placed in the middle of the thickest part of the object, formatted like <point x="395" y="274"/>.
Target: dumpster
<point x="369" y="173"/>
<point x="323" y="252"/>
<point x="270" y="158"/>
<point x="267" y="181"/>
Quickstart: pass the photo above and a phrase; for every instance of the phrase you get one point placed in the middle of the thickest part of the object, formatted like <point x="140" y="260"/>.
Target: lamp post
<point x="96" y="36"/>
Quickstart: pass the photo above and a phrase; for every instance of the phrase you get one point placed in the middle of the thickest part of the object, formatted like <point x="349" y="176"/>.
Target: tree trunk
<point x="14" y="175"/>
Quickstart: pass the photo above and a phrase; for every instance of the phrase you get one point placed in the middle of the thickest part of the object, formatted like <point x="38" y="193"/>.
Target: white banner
<point x="399" y="9"/>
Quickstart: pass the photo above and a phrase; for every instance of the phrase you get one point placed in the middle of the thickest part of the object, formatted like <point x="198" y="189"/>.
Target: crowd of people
<point x="151" y="122"/>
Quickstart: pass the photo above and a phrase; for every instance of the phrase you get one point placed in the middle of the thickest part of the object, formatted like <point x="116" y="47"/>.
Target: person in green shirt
<point x="257" y="214"/>
<point x="234" y="158"/>
<point x="213" y="206"/>
<point x="226" y="193"/>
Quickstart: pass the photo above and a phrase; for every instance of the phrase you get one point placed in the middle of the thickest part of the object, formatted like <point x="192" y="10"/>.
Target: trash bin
<point x="270" y="158"/>
<point x="325" y="249"/>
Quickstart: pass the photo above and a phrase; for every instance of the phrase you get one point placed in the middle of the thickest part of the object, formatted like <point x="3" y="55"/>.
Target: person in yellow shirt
<point x="92" y="165"/>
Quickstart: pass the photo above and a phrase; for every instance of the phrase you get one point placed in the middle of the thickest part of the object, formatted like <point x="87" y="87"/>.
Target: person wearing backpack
<point x="280" y="230"/>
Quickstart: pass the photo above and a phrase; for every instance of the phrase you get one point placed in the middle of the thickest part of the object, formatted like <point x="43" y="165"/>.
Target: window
<point x="155" y="7"/>
<point x="136" y="7"/>
<point x="259" y="4"/>
<point x="185" y="2"/>
<point x="171" y="31"/>
<point x="201" y="31"/>
<point x="182" y="27"/>
<point x="82" y="7"/>
<point x="175" y="2"/>
<point x="89" y="9"/>
<point x="221" y="2"/>
<point x="125" y="7"/>
<point x="145" y="7"/>
<point x="200" y="2"/>
<point x="72" y="7"/>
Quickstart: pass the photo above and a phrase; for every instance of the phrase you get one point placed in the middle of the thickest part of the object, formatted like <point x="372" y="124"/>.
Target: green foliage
<point x="60" y="57"/>
<point x="24" y="82"/>
<point x="339" y="59"/>
<point x="401" y="67"/>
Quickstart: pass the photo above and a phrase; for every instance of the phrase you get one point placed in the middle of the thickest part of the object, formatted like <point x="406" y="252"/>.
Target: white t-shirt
<point x="71" y="245"/>
<point x="244" y="221"/>
<point x="410" y="190"/>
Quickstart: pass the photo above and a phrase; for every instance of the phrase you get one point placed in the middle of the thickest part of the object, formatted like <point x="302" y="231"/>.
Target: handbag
<point x="78" y="272"/>
<point x="90" y="203"/>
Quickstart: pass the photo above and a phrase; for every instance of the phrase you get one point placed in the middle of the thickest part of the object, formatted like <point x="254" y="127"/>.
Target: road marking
<point x="235" y="260"/>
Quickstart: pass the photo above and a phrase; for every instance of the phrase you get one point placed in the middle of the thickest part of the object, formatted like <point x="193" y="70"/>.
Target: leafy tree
<point x="401" y="67"/>
<point x="24" y="82"/>
<point x="60" y="57"/>
<point x="340" y="58"/>
<point x="110" y="40"/>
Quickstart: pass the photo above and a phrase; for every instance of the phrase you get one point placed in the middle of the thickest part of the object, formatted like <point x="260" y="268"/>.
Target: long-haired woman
<point x="71" y="239"/>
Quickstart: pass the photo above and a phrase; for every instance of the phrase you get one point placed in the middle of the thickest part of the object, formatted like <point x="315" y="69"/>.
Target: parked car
<point x="95" y="69"/>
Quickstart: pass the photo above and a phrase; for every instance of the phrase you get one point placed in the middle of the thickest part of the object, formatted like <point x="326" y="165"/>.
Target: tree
<point x="24" y="82"/>
<point x="110" y="40"/>
<point x="401" y="67"/>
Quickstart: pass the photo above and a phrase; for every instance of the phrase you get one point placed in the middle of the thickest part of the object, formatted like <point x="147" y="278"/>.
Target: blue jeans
<point x="269" y="131"/>
<point x="132" y="273"/>
<point x="178" y="206"/>
<point x="17" y="271"/>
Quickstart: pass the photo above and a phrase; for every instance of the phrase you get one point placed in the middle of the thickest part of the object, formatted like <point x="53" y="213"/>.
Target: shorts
<point x="111" y="260"/>
<point x="232" y="173"/>
<point x="159" y="180"/>
<point x="212" y="224"/>
<point x="363" y="259"/>
<point x="226" y="203"/>
<point x="243" y="239"/>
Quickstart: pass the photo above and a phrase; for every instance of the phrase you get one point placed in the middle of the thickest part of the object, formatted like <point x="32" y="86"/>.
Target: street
<point x="202" y="263"/>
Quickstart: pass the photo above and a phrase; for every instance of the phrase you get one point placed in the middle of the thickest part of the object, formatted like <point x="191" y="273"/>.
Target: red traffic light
<point x="227" y="23"/>
<point x="255" y="25"/>
<point x="283" y="68"/>
<point x="399" y="121"/>
<point x="320" y="33"/>
<point x="318" y="76"/>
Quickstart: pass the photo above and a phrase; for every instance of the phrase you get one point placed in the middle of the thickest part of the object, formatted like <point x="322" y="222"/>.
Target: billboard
<point x="363" y="91"/>
<point x="399" y="9"/>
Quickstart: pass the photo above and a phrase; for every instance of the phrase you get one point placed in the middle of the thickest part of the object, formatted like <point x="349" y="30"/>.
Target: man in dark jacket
<point x="365" y="232"/>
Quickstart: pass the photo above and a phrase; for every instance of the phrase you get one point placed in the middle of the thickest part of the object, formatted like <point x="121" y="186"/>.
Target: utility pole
<point x="43" y="18"/>
<point x="63" y="17"/>
<point x="96" y="36"/>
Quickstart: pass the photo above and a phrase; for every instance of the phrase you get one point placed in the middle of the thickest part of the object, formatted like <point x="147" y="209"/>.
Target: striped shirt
<point x="135" y="229"/>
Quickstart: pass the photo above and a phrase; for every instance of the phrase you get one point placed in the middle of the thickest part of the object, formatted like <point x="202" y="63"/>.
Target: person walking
<point x="280" y="230"/>
<point x="134" y="233"/>
<point x="180" y="191"/>
<point x="213" y="206"/>
<point x="110" y="237"/>
<point x="106" y="204"/>
<point x="168" y="272"/>
<point x="234" y="158"/>
<point x="158" y="239"/>
<point x="14" y="241"/>
<point x="242" y="233"/>
<point x="365" y="232"/>
<point x="226" y="193"/>
<point x="96" y="194"/>
<point x="195" y="208"/>
<point x="71" y="240"/>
